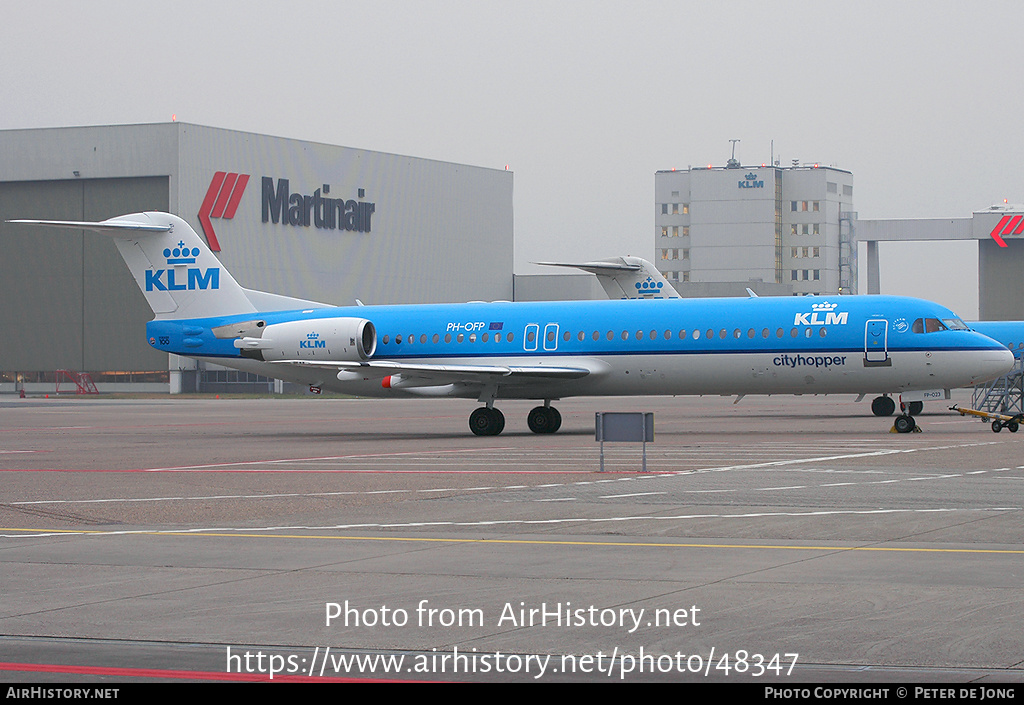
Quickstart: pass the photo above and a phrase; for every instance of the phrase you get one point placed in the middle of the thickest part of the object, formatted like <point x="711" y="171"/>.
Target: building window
<point x="816" y="206"/>
<point x="664" y="209"/>
<point x="815" y="229"/>
<point x="664" y="231"/>
<point x="793" y="206"/>
<point x="675" y="209"/>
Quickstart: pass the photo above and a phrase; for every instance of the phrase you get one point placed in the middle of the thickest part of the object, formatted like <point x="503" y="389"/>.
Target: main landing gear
<point x="488" y="421"/>
<point x="544" y="419"/>
<point x="883" y="406"/>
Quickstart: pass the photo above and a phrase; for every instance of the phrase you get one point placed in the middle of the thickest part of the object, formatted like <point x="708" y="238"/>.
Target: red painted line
<point x="1013" y="222"/>
<point x="204" y="210"/>
<point x="225" y="192"/>
<point x="448" y="472"/>
<point x="236" y="196"/>
<point x="995" y="231"/>
<point x="186" y="675"/>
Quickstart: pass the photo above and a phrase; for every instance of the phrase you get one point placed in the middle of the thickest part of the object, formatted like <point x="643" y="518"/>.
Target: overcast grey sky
<point x="584" y="101"/>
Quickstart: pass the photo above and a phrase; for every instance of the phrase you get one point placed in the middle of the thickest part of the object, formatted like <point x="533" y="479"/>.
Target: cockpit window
<point x="933" y="325"/>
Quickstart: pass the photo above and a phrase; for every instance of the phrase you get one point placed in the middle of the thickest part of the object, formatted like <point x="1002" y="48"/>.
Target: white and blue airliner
<point x="544" y="351"/>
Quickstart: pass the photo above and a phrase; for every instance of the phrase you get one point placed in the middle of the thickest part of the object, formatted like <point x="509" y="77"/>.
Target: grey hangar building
<point x="303" y="219"/>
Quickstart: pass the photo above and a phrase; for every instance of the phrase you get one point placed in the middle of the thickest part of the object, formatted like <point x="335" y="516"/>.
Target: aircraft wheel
<point x="997" y="426"/>
<point x="904" y="424"/>
<point x="915" y="407"/>
<point x="556" y="419"/>
<point x="544" y="419"/>
<point x="883" y="406"/>
<point x="486" y="422"/>
<point x="1013" y="426"/>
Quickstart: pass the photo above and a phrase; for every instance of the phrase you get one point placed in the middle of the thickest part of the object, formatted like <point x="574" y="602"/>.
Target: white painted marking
<point x="513" y="522"/>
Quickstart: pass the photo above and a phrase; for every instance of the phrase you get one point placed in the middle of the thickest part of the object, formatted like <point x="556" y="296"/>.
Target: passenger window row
<point x="531" y="336"/>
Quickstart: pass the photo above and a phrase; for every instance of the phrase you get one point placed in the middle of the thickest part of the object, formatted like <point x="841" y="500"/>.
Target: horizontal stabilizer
<point x="625" y="278"/>
<point x="173" y="267"/>
<point x="114" y="226"/>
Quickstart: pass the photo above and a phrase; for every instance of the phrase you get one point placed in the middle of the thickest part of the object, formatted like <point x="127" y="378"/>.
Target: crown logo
<point x="751" y="176"/>
<point x="181" y="254"/>
<point x="312" y="336"/>
<point x="824" y="306"/>
<point x="649" y="286"/>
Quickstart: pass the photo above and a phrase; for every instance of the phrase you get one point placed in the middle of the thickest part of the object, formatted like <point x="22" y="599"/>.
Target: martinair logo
<point x="221" y="201"/>
<point x="1007" y="225"/>
<point x="312" y="341"/>
<point x="195" y="278"/>
<point x="814" y="318"/>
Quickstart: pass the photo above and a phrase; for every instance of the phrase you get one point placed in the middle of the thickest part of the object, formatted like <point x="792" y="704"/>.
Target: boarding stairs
<point x="1003" y="395"/>
<point x="82" y="381"/>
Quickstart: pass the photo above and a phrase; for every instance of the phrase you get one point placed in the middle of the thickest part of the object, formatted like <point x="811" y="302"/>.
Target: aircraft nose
<point x="992" y="364"/>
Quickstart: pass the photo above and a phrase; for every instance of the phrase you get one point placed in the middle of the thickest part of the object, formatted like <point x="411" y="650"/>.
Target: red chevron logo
<point x="221" y="201"/>
<point x="1007" y="225"/>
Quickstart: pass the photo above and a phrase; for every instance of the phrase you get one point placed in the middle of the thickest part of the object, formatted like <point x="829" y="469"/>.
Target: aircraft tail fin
<point x="625" y="277"/>
<point x="176" y="271"/>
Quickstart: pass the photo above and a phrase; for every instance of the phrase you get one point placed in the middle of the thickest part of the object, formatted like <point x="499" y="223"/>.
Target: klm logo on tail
<point x="194" y="277"/>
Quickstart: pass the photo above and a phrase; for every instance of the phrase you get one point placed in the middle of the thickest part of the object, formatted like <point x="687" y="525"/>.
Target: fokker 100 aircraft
<point x="548" y="350"/>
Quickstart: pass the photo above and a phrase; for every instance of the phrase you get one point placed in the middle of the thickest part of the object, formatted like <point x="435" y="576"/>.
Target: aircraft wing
<point x="430" y="374"/>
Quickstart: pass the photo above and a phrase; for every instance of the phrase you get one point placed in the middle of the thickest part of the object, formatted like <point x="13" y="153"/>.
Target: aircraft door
<point x="551" y="336"/>
<point x="876" y="343"/>
<point x="530" y="336"/>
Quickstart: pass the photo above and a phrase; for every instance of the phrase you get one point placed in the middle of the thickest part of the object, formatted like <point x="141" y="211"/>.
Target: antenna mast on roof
<point x="733" y="163"/>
